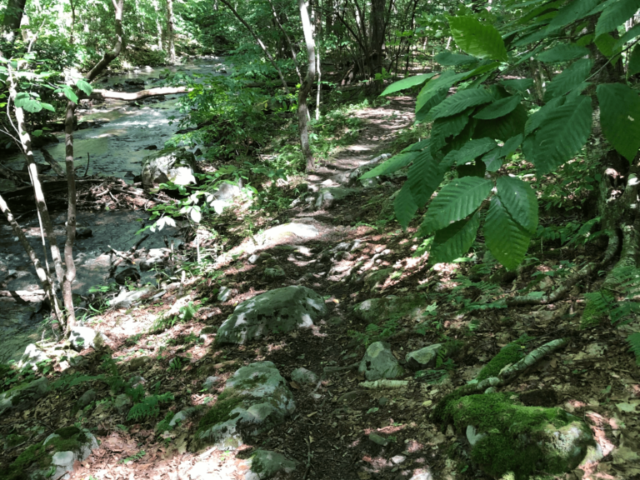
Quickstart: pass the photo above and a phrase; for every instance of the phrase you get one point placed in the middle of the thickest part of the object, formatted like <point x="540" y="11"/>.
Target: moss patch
<point x="519" y="439"/>
<point x="221" y="411"/>
<point x="511" y="353"/>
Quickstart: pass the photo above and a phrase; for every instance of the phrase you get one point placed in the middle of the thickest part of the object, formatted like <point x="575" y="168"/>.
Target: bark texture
<point x="307" y="85"/>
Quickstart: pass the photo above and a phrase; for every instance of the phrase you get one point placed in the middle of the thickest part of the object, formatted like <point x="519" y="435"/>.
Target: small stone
<point x="122" y="403"/>
<point x="375" y="438"/>
<point x="63" y="459"/>
<point x="383" y="401"/>
<point x="398" y="459"/>
<point x="86" y="398"/>
<point x="276" y="272"/>
<point x="379" y="362"/>
<point x="179" y="418"/>
<point x="423" y="358"/>
<point x="126" y="275"/>
<point x="210" y="382"/>
<point x="224" y="294"/>
<point x="304" y="376"/>
<point x="137" y="363"/>
<point x="136" y="380"/>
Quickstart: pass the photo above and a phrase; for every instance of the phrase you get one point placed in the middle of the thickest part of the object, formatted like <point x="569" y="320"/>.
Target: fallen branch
<point x="380" y="384"/>
<point x="152" y="92"/>
<point x="52" y="161"/>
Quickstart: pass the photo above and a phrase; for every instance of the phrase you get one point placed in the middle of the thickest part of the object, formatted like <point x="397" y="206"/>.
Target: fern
<point x="634" y="343"/>
<point x="149" y="407"/>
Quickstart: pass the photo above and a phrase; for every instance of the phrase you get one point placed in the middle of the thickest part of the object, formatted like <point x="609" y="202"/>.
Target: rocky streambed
<point x="112" y="140"/>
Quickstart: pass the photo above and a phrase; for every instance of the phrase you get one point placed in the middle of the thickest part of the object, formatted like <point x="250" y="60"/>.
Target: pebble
<point x="382" y="401"/>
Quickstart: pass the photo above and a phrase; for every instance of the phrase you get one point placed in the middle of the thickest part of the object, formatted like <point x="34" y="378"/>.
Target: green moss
<point x="513" y="435"/>
<point x="67" y="432"/>
<point x="34" y="453"/>
<point x="511" y="353"/>
<point x="221" y="411"/>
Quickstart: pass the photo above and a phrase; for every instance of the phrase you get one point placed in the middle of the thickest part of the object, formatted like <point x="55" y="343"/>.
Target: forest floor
<point x="330" y="432"/>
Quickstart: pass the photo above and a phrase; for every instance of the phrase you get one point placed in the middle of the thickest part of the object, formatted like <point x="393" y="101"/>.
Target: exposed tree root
<point x="563" y="290"/>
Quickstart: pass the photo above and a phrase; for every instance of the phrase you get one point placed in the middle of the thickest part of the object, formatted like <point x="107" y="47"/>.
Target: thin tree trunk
<point x="259" y="42"/>
<point x="318" y="32"/>
<point x="73" y="21"/>
<point x="171" y="32"/>
<point x="307" y="85"/>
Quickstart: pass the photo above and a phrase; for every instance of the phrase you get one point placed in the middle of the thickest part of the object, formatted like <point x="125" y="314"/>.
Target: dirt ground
<point x="594" y="377"/>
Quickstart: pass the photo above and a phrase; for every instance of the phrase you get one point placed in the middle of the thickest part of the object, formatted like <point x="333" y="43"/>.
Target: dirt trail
<point x="340" y="430"/>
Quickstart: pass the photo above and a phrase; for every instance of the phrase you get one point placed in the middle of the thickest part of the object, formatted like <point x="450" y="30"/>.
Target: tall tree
<point x="307" y="85"/>
<point x="171" y="32"/>
<point x="13" y="18"/>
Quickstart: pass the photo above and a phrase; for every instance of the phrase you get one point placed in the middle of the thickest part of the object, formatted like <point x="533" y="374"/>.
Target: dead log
<point x="130" y="97"/>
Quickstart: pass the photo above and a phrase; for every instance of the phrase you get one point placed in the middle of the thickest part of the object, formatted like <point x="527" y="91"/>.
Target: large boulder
<point x="22" y="395"/>
<point x="503" y="436"/>
<point x="32" y="356"/>
<point x="255" y="398"/>
<point x="55" y="456"/>
<point x="277" y="311"/>
<point x="85" y="337"/>
<point x="379" y="363"/>
<point x="169" y="164"/>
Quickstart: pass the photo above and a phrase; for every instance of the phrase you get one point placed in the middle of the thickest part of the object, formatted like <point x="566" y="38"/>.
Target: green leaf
<point x="448" y="58"/>
<point x="449" y="126"/>
<point x="36" y="133"/>
<point x="570" y="78"/>
<point x="620" y="118"/>
<point x="511" y="145"/>
<point x="455" y="201"/>
<point x="69" y="93"/>
<point x="500" y="108"/>
<point x="483" y="41"/>
<point x="565" y="131"/>
<point x="84" y="86"/>
<point x="505" y="239"/>
<point x="493" y="160"/>
<point x="574" y="11"/>
<point x="627" y="37"/>
<point x="615" y="15"/>
<point x="393" y="164"/>
<point x="505" y="127"/>
<point x="519" y="85"/>
<point x="445" y="81"/>
<point x="455" y="240"/>
<point x="436" y="99"/>
<point x="606" y="44"/>
<point x="563" y="53"/>
<point x="459" y="102"/>
<point x="470" y="151"/>
<point x="48" y="106"/>
<point x="538" y="118"/>
<point x="520" y="201"/>
<point x="423" y="178"/>
<point x="396" y="86"/>
<point x="404" y="206"/>
<point x="634" y="61"/>
<point x="23" y="100"/>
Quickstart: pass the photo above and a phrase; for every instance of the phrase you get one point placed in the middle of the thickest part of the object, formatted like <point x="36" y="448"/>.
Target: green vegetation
<point x="509" y="354"/>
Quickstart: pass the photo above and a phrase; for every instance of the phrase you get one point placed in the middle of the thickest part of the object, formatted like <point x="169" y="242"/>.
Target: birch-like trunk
<point x="307" y="85"/>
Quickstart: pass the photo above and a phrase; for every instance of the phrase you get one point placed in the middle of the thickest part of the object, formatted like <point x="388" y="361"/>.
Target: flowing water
<point x="118" y="141"/>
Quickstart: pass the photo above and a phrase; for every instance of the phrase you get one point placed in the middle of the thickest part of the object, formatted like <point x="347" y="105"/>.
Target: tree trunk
<point x="13" y="18"/>
<point x="259" y="42"/>
<point x="171" y="32"/>
<point x="287" y="40"/>
<point x="376" y="39"/>
<point x="307" y="85"/>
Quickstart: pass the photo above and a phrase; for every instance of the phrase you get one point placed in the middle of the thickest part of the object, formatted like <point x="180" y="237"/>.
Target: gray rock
<point x="277" y="311"/>
<point x="304" y="377"/>
<point x="156" y="257"/>
<point x="355" y="174"/>
<point x="383" y="401"/>
<point x="377" y="310"/>
<point x="266" y="464"/>
<point x="122" y="403"/>
<point x="181" y="416"/>
<point x="19" y="396"/>
<point x="275" y="272"/>
<point x="176" y="165"/>
<point x="32" y="356"/>
<point x="255" y="398"/>
<point x="126" y="299"/>
<point x="85" y="337"/>
<point x="224" y="196"/>
<point x="423" y="475"/>
<point x="224" y="294"/>
<point x="379" y="363"/>
<point x="473" y="436"/>
<point x="136" y="380"/>
<point x="86" y="398"/>
<point x="286" y="232"/>
<point x="210" y="382"/>
<point x="329" y="196"/>
<point x="64" y="459"/>
<point x="423" y="358"/>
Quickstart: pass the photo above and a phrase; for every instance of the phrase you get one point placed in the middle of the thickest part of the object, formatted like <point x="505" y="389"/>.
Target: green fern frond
<point x="634" y="342"/>
<point x="149" y="407"/>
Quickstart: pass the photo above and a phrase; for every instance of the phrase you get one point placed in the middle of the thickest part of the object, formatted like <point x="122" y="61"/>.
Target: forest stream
<point x="116" y="135"/>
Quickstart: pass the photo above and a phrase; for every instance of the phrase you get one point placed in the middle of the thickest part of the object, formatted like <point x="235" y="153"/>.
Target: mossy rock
<point x="20" y="394"/>
<point x="504" y="436"/>
<point x="378" y="310"/>
<point x="56" y="453"/>
<point x="255" y="398"/>
<point x="509" y="354"/>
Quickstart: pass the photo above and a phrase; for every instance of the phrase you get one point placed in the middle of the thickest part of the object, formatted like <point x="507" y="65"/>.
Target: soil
<point x="594" y="377"/>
